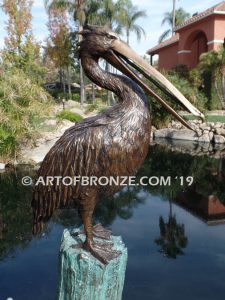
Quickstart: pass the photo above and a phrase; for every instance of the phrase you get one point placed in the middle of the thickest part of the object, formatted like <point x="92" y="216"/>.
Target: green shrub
<point x="58" y="94"/>
<point x="210" y="68"/>
<point x="91" y="107"/>
<point x="160" y="117"/>
<point x="103" y="109"/>
<point x="69" y="115"/>
<point x="76" y="97"/>
<point x="22" y="103"/>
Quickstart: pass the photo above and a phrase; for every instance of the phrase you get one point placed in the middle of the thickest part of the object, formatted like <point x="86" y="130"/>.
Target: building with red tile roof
<point x="203" y="32"/>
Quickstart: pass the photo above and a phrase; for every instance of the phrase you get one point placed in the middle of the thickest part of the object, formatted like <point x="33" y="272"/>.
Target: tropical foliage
<point x="181" y="16"/>
<point x="189" y="87"/>
<point x="22" y="103"/>
<point x="212" y="70"/>
<point x="129" y="16"/>
<point x="121" y="16"/>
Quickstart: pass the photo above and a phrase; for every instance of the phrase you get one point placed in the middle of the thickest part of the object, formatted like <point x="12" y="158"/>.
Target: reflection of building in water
<point x="210" y="209"/>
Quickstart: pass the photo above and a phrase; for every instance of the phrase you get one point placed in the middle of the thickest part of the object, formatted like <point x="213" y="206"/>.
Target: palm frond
<point x="59" y="4"/>
<point x="138" y="14"/>
<point x="164" y="35"/>
<point x="139" y="31"/>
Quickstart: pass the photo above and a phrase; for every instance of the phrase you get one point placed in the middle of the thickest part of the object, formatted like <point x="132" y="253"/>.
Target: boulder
<point x="70" y="103"/>
<point x="204" y="138"/>
<point x="151" y="136"/>
<point x="218" y="125"/>
<point x="183" y="134"/>
<point x="51" y="122"/>
<point x="204" y="126"/>
<point x="220" y="131"/>
<point x="163" y="133"/>
<point x="219" y="139"/>
<point x="211" y="135"/>
<point x="2" y="166"/>
<point x="66" y="123"/>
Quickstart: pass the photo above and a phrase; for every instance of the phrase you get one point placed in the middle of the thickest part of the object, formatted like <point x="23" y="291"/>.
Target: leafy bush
<point x="22" y="103"/>
<point x="160" y="117"/>
<point x="189" y="90"/>
<point x="58" y="94"/>
<point x="211" y="68"/>
<point x="91" y="107"/>
<point x="69" y="115"/>
<point x="103" y="109"/>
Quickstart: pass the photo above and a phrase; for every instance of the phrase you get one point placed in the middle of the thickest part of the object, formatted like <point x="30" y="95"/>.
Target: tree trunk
<point x="128" y="37"/>
<point x="174" y="16"/>
<point x="113" y="98"/>
<point x="223" y="87"/>
<point x="69" y="80"/>
<point x="93" y="93"/>
<point x="64" y="84"/>
<point x="218" y="92"/>
<point x="108" y="92"/>
<point x="82" y="87"/>
<point x="61" y="78"/>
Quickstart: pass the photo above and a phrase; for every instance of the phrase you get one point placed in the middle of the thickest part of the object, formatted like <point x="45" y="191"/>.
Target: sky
<point x="155" y="10"/>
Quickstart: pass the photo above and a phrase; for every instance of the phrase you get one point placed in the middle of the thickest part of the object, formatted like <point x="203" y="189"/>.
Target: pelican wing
<point x="74" y="154"/>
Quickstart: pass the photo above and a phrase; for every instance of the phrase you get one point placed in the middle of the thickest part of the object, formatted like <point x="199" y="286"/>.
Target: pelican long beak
<point x="122" y="53"/>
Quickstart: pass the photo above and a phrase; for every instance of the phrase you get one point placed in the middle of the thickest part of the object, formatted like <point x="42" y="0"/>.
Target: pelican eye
<point x="112" y="36"/>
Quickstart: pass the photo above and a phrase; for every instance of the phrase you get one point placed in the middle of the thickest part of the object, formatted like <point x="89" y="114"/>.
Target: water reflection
<point x="205" y="199"/>
<point x="208" y="208"/>
<point x="15" y="212"/>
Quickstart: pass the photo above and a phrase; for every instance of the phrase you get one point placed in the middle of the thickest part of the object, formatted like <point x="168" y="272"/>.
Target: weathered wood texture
<point x="83" y="277"/>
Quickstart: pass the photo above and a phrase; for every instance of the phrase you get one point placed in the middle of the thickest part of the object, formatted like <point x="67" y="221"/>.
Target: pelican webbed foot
<point x="102" y="251"/>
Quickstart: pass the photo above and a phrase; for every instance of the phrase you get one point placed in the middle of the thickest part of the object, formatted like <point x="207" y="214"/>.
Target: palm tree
<point x="81" y="10"/>
<point x="181" y="16"/>
<point x="172" y="239"/>
<point x="174" y="15"/>
<point x="129" y="16"/>
<point x="110" y="16"/>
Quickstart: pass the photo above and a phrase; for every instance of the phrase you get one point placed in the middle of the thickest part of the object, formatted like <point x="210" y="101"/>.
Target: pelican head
<point x="100" y="42"/>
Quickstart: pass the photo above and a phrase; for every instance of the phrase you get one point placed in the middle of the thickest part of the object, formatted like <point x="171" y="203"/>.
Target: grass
<point x="208" y="118"/>
<point x="69" y="115"/>
<point x="91" y="108"/>
<point x="103" y="109"/>
<point x="22" y="103"/>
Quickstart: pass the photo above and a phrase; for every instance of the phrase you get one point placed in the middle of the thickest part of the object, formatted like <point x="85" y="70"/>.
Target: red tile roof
<point x="174" y="39"/>
<point x="212" y="10"/>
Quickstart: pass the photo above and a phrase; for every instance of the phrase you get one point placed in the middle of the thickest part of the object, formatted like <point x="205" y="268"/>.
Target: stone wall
<point x="207" y="132"/>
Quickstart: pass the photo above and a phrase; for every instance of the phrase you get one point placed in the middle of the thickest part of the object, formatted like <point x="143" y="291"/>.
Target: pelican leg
<point x="102" y="251"/>
<point x="99" y="232"/>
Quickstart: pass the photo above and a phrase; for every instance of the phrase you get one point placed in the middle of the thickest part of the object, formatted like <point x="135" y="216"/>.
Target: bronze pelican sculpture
<point x="114" y="143"/>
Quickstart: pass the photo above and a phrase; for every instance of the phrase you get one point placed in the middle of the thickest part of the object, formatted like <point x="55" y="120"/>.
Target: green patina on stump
<point x="83" y="277"/>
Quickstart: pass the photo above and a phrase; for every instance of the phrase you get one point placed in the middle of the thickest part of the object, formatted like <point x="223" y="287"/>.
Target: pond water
<point x="175" y="234"/>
